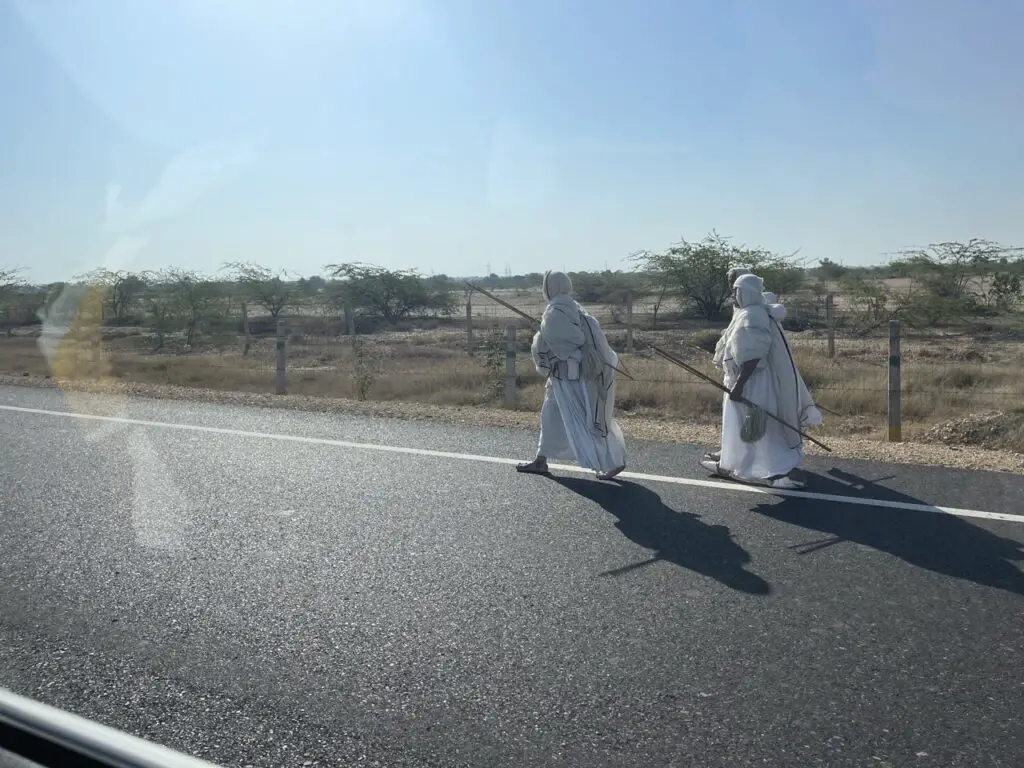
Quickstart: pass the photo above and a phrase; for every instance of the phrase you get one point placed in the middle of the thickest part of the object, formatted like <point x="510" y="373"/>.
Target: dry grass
<point x="943" y="379"/>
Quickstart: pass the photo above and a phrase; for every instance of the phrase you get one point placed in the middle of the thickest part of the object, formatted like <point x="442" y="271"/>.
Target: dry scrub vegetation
<point x="956" y="390"/>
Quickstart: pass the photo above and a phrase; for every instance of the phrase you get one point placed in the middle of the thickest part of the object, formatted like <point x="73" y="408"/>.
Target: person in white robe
<point x="577" y="419"/>
<point x="776" y="310"/>
<point x="758" y="367"/>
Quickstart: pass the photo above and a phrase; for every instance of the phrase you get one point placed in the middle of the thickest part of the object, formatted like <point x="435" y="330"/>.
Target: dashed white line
<point x="399" y="449"/>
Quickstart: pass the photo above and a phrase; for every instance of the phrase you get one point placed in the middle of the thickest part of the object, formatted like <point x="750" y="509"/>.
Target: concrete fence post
<point x="830" y="324"/>
<point x="246" y="336"/>
<point x="895" y="421"/>
<point x="350" y="318"/>
<point x="281" y="382"/>
<point x="510" y="366"/>
<point x="629" y="323"/>
<point x="469" y="322"/>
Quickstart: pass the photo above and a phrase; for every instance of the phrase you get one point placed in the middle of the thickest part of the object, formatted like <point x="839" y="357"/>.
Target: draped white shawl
<point x="567" y="331"/>
<point x="755" y="334"/>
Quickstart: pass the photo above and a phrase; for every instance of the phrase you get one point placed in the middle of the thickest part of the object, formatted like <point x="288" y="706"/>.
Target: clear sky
<point x="449" y="135"/>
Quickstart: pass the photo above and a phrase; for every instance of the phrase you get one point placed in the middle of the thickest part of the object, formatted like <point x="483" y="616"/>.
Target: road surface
<point x="275" y="588"/>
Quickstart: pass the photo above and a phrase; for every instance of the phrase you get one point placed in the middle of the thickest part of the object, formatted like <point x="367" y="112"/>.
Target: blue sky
<point x="449" y="135"/>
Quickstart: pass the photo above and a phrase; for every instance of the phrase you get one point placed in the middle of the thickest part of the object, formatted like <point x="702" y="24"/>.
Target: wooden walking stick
<point x="532" y="320"/>
<point x="703" y="376"/>
<point x="817" y="405"/>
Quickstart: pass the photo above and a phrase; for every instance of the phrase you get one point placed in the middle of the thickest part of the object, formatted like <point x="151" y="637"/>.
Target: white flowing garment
<point x="578" y="415"/>
<point x="775" y="385"/>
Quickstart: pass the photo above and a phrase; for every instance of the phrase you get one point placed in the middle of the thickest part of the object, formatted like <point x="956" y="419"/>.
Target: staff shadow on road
<point x="675" y="537"/>
<point x="935" y="541"/>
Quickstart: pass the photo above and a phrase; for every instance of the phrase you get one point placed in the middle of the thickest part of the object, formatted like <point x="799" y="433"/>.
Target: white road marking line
<point x="712" y="484"/>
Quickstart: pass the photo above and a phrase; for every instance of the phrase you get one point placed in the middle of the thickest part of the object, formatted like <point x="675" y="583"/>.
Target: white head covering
<point x="736" y="272"/>
<point x="556" y="284"/>
<point x="749" y="291"/>
<point x="776" y="310"/>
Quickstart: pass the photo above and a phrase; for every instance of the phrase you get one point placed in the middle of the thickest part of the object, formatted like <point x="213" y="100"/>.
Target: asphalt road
<point x="267" y="602"/>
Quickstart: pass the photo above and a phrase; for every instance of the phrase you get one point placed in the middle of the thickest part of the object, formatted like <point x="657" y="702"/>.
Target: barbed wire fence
<point x="873" y="374"/>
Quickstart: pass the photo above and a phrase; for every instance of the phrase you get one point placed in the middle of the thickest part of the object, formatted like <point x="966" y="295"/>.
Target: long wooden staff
<point x="817" y="405"/>
<point x="701" y="375"/>
<point x="532" y="320"/>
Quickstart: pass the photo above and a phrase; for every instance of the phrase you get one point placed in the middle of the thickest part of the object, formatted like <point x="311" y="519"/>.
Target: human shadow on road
<point x="935" y="541"/>
<point x="679" y="538"/>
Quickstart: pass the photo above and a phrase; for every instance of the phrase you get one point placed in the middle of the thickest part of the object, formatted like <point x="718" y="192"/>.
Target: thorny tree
<point x="11" y="281"/>
<point x="122" y="290"/>
<point x="953" y="270"/>
<point x="194" y="296"/>
<point x="391" y="294"/>
<point x="275" y="291"/>
<point x="697" y="273"/>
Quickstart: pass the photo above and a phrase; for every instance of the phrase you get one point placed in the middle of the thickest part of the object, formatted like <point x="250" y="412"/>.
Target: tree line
<point x="939" y="283"/>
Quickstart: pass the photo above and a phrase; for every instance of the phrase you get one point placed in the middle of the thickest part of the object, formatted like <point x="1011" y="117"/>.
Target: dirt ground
<point x="962" y="400"/>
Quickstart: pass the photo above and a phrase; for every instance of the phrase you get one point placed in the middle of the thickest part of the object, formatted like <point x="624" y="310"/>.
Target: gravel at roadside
<point x="635" y="427"/>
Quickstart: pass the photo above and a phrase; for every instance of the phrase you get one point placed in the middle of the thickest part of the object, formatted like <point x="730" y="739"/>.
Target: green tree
<point x="951" y="270"/>
<point x="393" y="295"/>
<point x="11" y="285"/>
<point x="274" y="290"/>
<point x="161" y="305"/>
<point x="698" y="272"/>
<point x="193" y="298"/>
<point x="121" y="291"/>
<point x="951" y="279"/>
<point x="1006" y="291"/>
<point x="605" y="287"/>
<point x="867" y="299"/>
<point x="830" y="270"/>
<point x="311" y="286"/>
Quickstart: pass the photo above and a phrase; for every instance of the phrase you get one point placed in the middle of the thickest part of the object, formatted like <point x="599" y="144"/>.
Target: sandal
<point x="612" y="474"/>
<point x="710" y="464"/>
<point x="535" y="467"/>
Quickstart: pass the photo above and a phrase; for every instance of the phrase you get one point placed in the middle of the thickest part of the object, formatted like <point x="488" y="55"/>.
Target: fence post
<point x="830" y="324"/>
<point x="247" y="341"/>
<point x="469" y="322"/>
<point x="350" y="319"/>
<point x="629" y="323"/>
<point x="280" y="357"/>
<point x="895" y="422"/>
<point x="510" y="366"/>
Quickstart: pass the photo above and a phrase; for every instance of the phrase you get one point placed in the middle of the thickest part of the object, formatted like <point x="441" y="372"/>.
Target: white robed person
<point x="577" y="419"/>
<point x="777" y="312"/>
<point x="759" y="368"/>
